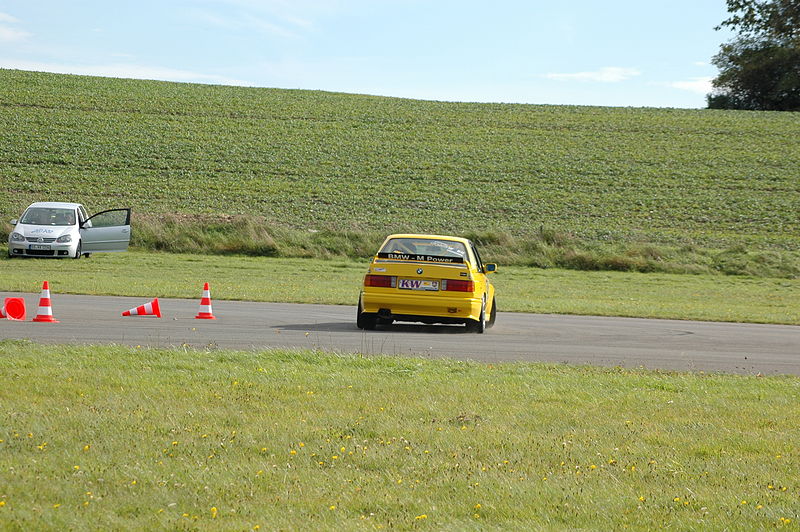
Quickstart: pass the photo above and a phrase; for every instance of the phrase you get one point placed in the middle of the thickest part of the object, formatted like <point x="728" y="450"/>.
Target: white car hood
<point x="44" y="231"/>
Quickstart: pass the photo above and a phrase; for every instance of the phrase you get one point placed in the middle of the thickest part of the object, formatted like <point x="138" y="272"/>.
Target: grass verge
<point x="545" y="248"/>
<point x="120" y="438"/>
<point x="523" y="289"/>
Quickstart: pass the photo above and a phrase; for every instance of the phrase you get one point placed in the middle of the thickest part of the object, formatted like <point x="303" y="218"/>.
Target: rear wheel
<point x="479" y="325"/>
<point x="365" y="320"/>
<point x="492" y="315"/>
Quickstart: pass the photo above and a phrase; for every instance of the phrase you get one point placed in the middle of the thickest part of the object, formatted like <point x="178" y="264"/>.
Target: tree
<point x="760" y="69"/>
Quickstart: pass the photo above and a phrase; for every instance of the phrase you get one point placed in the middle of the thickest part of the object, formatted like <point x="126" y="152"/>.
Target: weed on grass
<point x="113" y="437"/>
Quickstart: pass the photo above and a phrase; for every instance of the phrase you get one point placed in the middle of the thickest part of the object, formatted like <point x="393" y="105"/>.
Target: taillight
<point x="380" y="281"/>
<point x="457" y="285"/>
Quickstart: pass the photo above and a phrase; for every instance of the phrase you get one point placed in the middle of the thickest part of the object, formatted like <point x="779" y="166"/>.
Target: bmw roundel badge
<point x="419" y="271"/>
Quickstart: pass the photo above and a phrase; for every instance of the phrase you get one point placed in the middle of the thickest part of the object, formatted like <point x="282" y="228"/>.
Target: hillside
<point x="316" y="160"/>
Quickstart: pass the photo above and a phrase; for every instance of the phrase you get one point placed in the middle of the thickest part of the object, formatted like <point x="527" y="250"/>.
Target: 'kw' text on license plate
<point x="418" y="284"/>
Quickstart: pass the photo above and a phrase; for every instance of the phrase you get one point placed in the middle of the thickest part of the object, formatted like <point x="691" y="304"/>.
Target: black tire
<point x="479" y="325"/>
<point x="365" y="320"/>
<point x="78" y="251"/>
<point x="492" y="315"/>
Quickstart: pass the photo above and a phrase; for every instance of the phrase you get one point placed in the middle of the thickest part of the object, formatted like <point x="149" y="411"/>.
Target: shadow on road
<point x="394" y="328"/>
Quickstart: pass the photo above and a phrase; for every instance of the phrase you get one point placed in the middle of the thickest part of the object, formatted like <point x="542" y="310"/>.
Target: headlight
<point x="17" y="237"/>
<point x="64" y="238"/>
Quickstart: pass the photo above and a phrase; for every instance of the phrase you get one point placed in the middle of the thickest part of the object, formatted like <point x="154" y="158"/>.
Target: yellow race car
<point x="428" y="279"/>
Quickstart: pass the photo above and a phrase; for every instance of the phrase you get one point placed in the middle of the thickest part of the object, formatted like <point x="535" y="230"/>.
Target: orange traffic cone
<point x="205" y="306"/>
<point x="13" y="308"/>
<point x="148" y="309"/>
<point x="45" y="312"/>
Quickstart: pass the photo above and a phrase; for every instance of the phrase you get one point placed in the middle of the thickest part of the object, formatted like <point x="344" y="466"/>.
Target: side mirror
<point x="490" y="268"/>
<point x="14" y="221"/>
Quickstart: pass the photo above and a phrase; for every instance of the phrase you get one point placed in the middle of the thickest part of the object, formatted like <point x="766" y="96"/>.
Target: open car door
<point x="106" y="231"/>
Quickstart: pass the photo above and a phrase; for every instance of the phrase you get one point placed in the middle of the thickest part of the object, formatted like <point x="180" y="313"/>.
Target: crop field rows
<point x="318" y="160"/>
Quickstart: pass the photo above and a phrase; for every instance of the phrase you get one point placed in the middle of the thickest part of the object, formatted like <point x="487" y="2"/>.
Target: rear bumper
<point x="425" y="307"/>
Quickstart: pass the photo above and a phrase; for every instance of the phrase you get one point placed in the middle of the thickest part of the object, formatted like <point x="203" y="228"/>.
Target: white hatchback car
<point x="56" y="229"/>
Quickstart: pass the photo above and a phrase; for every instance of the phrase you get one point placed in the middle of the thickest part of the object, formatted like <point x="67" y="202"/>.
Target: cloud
<point x="697" y="85"/>
<point x="5" y="17"/>
<point x="123" y="70"/>
<point x="603" y="75"/>
<point x="10" y="34"/>
<point x="267" y="18"/>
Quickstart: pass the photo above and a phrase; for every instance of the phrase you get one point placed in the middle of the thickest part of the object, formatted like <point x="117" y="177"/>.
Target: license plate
<point x="419" y="284"/>
<point x="39" y="246"/>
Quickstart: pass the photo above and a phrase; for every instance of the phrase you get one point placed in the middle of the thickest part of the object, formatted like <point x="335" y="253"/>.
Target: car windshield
<point x="48" y="216"/>
<point x="425" y="246"/>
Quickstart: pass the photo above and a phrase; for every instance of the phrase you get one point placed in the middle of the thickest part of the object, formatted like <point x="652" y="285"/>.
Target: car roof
<point x="54" y="205"/>
<point x="431" y="237"/>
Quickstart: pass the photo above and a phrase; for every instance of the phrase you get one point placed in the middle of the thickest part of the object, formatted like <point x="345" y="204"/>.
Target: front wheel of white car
<point x="77" y="251"/>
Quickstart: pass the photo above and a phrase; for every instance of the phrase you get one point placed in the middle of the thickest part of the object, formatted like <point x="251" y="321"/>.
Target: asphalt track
<point x="599" y="341"/>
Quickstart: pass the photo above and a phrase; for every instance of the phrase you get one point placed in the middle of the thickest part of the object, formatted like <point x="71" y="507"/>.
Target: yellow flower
<point x="76" y="467"/>
<point x="301" y="444"/>
<point x="592" y="466"/>
<point x="2" y="503"/>
<point x="760" y="506"/>
<point x="213" y="512"/>
<point x="56" y="505"/>
<point x="478" y="506"/>
<point x="642" y="499"/>
<point x="174" y="443"/>
<point x="676" y="499"/>
<point x="476" y="516"/>
<point x="86" y="447"/>
<point x="292" y="452"/>
<point x="423" y="516"/>
<point x="332" y="507"/>
<point x="743" y="502"/>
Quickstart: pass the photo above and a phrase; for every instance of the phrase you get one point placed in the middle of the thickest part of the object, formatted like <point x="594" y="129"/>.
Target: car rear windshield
<point x="48" y="216"/>
<point x="425" y="246"/>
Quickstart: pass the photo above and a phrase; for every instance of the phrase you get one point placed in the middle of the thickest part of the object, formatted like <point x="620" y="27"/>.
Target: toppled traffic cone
<point x="205" y="306"/>
<point x="13" y="309"/>
<point x="45" y="312"/>
<point x="148" y="309"/>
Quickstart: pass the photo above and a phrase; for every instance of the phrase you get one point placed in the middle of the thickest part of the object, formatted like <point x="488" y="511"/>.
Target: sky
<point x="622" y="53"/>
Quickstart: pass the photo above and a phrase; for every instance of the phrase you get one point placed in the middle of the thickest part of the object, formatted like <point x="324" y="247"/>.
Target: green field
<point x="114" y="438"/>
<point x="327" y="161"/>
